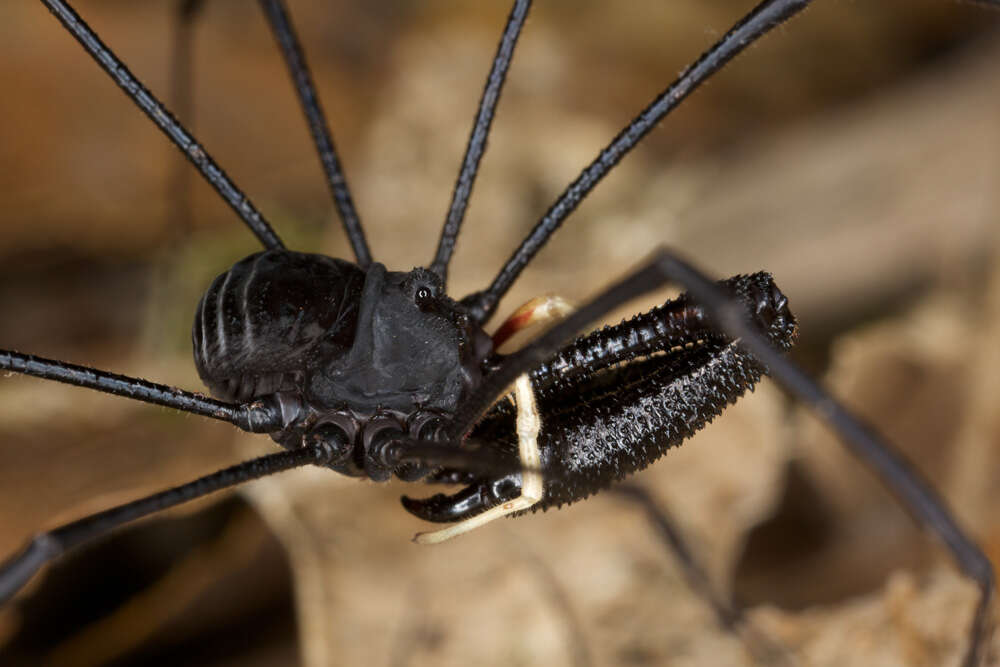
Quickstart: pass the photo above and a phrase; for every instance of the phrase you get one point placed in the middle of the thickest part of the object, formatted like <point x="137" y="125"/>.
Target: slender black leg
<point x="535" y="353"/>
<point x="861" y="439"/>
<point x="166" y="122"/>
<point x="730" y="617"/>
<point x="477" y="139"/>
<point x="871" y="449"/>
<point x="758" y="22"/>
<point x="261" y="416"/>
<point x="277" y="18"/>
<point x="50" y="545"/>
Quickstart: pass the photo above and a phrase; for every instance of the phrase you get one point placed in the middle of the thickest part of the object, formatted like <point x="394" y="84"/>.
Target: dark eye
<point x="423" y="297"/>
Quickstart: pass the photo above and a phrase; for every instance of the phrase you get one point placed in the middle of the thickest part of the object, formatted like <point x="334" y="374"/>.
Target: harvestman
<point x="375" y="373"/>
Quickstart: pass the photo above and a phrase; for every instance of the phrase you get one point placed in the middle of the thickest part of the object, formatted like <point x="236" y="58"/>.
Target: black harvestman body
<point x="285" y="413"/>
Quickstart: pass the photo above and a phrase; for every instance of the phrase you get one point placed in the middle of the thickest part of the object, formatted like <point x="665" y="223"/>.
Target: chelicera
<point x="377" y="373"/>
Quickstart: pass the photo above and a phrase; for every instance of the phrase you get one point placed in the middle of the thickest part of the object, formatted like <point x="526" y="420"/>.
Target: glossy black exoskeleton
<point x="377" y="373"/>
<point x="616" y="400"/>
<point x="356" y="357"/>
<point x="361" y="358"/>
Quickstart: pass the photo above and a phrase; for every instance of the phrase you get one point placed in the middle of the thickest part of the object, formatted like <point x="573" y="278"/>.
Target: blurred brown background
<point x="855" y="154"/>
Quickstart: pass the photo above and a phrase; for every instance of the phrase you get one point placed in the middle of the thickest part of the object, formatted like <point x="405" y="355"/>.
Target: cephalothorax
<point x="355" y="357"/>
<point x="376" y="373"/>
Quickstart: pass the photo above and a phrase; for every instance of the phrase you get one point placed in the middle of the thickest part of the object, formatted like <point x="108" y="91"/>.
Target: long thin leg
<point x="477" y="139"/>
<point x="871" y="449"/>
<point x="260" y="416"/>
<point x="16" y="572"/>
<point x="528" y="426"/>
<point x="892" y="468"/>
<point x="729" y="617"/>
<point x="758" y="22"/>
<point x="545" y="346"/>
<point x="284" y="33"/>
<point x="159" y="114"/>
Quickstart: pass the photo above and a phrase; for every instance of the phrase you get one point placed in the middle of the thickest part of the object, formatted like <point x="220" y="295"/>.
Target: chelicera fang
<point x="376" y="373"/>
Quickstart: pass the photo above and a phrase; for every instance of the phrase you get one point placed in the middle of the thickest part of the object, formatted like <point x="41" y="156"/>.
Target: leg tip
<point x="432" y="537"/>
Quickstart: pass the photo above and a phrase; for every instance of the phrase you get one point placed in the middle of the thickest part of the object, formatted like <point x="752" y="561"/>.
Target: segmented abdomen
<point x="272" y="318"/>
